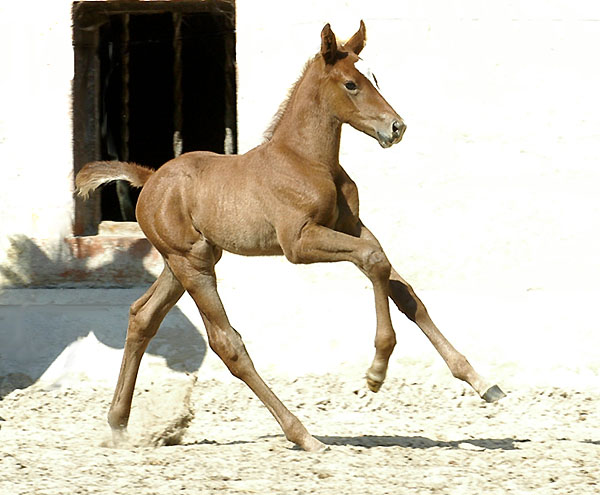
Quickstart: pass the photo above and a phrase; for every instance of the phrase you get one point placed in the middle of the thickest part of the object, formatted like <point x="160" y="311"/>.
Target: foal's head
<point x="352" y="90"/>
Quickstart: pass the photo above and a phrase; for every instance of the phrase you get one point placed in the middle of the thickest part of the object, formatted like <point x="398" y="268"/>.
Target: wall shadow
<point x="34" y="331"/>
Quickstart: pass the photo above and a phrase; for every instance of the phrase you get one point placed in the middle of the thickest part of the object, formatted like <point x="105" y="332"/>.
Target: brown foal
<point x="287" y="196"/>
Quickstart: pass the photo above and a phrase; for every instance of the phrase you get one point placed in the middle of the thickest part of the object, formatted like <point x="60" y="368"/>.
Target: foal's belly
<point x="250" y="239"/>
<point x="239" y="227"/>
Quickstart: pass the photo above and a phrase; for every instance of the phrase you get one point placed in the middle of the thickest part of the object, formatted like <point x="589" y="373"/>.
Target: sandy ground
<point x="420" y="434"/>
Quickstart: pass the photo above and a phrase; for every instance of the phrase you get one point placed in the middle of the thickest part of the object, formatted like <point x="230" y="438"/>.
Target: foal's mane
<point x="268" y="134"/>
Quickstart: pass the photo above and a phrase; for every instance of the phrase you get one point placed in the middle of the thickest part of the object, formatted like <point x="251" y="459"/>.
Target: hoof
<point x="311" y="444"/>
<point x="374" y="385"/>
<point x="493" y="394"/>
<point x="316" y="447"/>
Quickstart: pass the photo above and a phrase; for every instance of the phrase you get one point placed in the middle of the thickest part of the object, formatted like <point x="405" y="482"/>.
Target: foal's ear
<point x="358" y="41"/>
<point x="328" y="45"/>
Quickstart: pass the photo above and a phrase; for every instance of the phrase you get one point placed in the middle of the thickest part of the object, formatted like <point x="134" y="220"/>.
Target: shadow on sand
<point x="418" y="442"/>
<point x="33" y="333"/>
<point x="373" y="441"/>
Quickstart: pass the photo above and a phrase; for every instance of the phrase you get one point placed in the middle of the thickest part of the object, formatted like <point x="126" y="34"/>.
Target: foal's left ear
<point x="329" y="47"/>
<point x="358" y="41"/>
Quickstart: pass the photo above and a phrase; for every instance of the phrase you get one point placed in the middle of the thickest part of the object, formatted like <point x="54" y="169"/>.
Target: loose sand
<point x="420" y="434"/>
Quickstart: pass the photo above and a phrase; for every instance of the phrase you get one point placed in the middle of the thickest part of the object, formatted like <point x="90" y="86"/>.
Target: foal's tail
<point x="94" y="174"/>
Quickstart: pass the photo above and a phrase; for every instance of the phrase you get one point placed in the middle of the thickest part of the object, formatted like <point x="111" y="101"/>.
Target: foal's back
<point x="205" y="196"/>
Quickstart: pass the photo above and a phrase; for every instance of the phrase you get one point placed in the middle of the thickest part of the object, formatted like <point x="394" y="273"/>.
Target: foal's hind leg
<point x="145" y="317"/>
<point x="196" y="273"/>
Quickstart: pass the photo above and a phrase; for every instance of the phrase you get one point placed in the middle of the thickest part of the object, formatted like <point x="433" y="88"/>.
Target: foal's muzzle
<point x="392" y="135"/>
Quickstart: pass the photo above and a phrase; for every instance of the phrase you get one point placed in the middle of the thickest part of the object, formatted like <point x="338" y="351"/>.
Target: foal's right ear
<point x="328" y="45"/>
<point x="358" y="41"/>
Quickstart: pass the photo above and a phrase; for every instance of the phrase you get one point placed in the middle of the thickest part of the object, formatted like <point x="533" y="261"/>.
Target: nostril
<point x="398" y="128"/>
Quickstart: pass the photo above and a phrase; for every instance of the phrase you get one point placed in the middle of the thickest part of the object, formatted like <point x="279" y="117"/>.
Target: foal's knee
<point x="374" y="263"/>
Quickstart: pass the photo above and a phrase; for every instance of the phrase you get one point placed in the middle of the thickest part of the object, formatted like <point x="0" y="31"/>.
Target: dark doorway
<point x="152" y="80"/>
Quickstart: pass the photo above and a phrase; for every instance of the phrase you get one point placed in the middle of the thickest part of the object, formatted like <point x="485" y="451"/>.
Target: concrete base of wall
<point x="120" y="256"/>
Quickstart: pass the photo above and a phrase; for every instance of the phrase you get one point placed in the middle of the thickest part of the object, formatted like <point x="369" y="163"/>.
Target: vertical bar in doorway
<point x="122" y="187"/>
<point x="177" y="86"/>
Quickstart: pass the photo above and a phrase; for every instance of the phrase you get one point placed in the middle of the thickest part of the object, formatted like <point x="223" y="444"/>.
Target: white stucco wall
<point x="36" y="158"/>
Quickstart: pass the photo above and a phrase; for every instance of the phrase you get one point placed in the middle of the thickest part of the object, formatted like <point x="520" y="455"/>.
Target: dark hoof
<point x="493" y="394"/>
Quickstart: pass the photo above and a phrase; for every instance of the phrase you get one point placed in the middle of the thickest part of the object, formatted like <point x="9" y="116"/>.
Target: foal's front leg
<point x="407" y="301"/>
<point x="320" y="244"/>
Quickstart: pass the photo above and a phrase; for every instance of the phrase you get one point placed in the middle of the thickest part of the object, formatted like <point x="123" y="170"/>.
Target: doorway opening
<point x="152" y="80"/>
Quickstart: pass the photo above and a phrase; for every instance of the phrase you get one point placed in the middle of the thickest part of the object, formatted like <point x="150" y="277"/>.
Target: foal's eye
<point x="351" y="86"/>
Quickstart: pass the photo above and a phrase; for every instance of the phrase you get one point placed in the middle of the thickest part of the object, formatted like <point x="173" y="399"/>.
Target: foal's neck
<point x="306" y="126"/>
